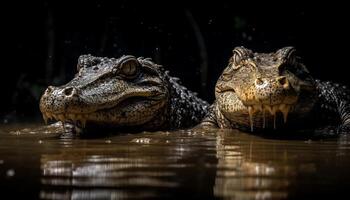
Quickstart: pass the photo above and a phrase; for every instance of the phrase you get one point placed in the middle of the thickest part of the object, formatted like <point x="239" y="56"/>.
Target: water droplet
<point x="10" y="173"/>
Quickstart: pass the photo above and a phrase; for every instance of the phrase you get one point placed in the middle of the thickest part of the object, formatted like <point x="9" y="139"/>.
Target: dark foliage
<point x="43" y="40"/>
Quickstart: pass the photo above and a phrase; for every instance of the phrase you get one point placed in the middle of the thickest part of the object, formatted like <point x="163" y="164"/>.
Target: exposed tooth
<point x="49" y="116"/>
<point x="61" y="117"/>
<point x="274" y="110"/>
<point x="268" y="108"/>
<point x="257" y="108"/>
<point x="54" y="116"/>
<point x="285" y="110"/>
<point x="45" y="117"/>
<point x="251" y="112"/>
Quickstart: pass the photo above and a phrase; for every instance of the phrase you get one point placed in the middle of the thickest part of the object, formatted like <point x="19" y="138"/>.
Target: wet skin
<point x="127" y="93"/>
<point x="269" y="91"/>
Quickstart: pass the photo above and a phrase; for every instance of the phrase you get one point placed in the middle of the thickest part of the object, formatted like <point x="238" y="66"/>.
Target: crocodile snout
<point x="281" y="81"/>
<point x="58" y="99"/>
<point x="65" y="92"/>
<point x="271" y="91"/>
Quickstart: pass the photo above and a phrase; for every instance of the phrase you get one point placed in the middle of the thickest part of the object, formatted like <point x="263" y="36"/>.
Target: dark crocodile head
<point x="255" y="86"/>
<point x="127" y="91"/>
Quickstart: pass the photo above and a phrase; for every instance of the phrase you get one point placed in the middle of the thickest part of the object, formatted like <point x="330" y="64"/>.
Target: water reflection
<point x="227" y="164"/>
<point x="239" y="176"/>
<point x="195" y="164"/>
<point x="103" y="171"/>
<point x="106" y="172"/>
<point x="129" y="167"/>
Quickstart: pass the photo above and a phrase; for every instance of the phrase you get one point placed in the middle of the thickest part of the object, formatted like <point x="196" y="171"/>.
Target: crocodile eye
<point x="129" y="67"/>
<point x="239" y="54"/>
<point x="287" y="55"/>
<point x="236" y="60"/>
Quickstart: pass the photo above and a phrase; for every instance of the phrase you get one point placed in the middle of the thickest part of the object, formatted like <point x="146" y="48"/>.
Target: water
<point x="216" y="164"/>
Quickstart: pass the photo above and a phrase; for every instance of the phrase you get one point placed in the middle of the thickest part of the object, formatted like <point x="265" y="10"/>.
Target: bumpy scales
<point x="132" y="93"/>
<point x="267" y="91"/>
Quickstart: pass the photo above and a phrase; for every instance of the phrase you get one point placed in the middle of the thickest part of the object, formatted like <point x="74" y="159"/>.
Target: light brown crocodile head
<point x="257" y="87"/>
<point x="128" y="91"/>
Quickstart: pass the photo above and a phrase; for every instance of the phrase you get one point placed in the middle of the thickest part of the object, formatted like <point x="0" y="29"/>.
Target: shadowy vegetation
<point x="43" y="40"/>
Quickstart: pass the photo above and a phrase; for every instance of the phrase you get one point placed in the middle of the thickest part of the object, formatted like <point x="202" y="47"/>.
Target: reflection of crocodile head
<point x="145" y="165"/>
<point x="244" y="170"/>
<point x="262" y="85"/>
<point x="100" y="176"/>
<point x="124" y="92"/>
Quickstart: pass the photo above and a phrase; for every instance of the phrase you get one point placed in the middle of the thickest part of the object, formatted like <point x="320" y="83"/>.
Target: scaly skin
<point x="131" y="93"/>
<point x="267" y="91"/>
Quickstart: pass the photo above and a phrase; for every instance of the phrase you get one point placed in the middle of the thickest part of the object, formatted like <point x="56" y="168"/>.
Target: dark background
<point x="194" y="40"/>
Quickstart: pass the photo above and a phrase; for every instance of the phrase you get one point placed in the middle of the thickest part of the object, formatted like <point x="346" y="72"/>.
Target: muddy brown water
<point x="197" y="164"/>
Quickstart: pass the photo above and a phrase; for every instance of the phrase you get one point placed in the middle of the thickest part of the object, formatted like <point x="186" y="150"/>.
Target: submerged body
<point x="267" y="91"/>
<point x="256" y="92"/>
<point x="128" y="92"/>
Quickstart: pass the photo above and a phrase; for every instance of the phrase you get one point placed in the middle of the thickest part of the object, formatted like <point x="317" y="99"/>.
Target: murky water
<point x="184" y="164"/>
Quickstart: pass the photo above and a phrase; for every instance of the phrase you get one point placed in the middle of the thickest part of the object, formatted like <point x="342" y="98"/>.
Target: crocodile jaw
<point x="272" y="109"/>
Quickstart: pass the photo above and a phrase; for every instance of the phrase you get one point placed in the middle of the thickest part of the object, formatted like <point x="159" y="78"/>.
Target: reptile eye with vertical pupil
<point x="129" y="67"/>
<point x="239" y="54"/>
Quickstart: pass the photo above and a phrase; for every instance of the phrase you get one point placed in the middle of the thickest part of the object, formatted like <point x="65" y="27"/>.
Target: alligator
<point x="127" y="93"/>
<point x="264" y="92"/>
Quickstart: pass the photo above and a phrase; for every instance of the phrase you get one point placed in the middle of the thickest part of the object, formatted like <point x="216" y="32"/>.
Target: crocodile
<point x="126" y="93"/>
<point x="264" y="92"/>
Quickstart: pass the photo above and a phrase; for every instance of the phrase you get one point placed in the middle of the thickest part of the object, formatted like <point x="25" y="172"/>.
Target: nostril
<point x="69" y="91"/>
<point x="259" y="81"/>
<point x="283" y="81"/>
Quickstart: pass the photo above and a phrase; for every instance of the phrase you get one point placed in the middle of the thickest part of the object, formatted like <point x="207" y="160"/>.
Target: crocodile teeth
<point x="45" y="118"/>
<point x="61" y="117"/>
<point x="268" y="108"/>
<point x="258" y="107"/>
<point x="49" y="115"/>
<point x="74" y="118"/>
<point x="285" y="110"/>
<point x="54" y="116"/>
<point x="272" y="109"/>
<point x="251" y="112"/>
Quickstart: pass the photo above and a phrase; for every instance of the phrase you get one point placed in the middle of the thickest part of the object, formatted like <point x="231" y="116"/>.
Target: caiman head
<point x="122" y="92"/>
<point x="258" y="88"/>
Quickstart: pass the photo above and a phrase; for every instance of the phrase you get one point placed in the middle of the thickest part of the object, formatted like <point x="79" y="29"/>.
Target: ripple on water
<point x="181" y="164"/>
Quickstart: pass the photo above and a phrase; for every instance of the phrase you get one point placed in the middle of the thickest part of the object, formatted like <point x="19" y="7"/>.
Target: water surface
<point x="197" y="164"/>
